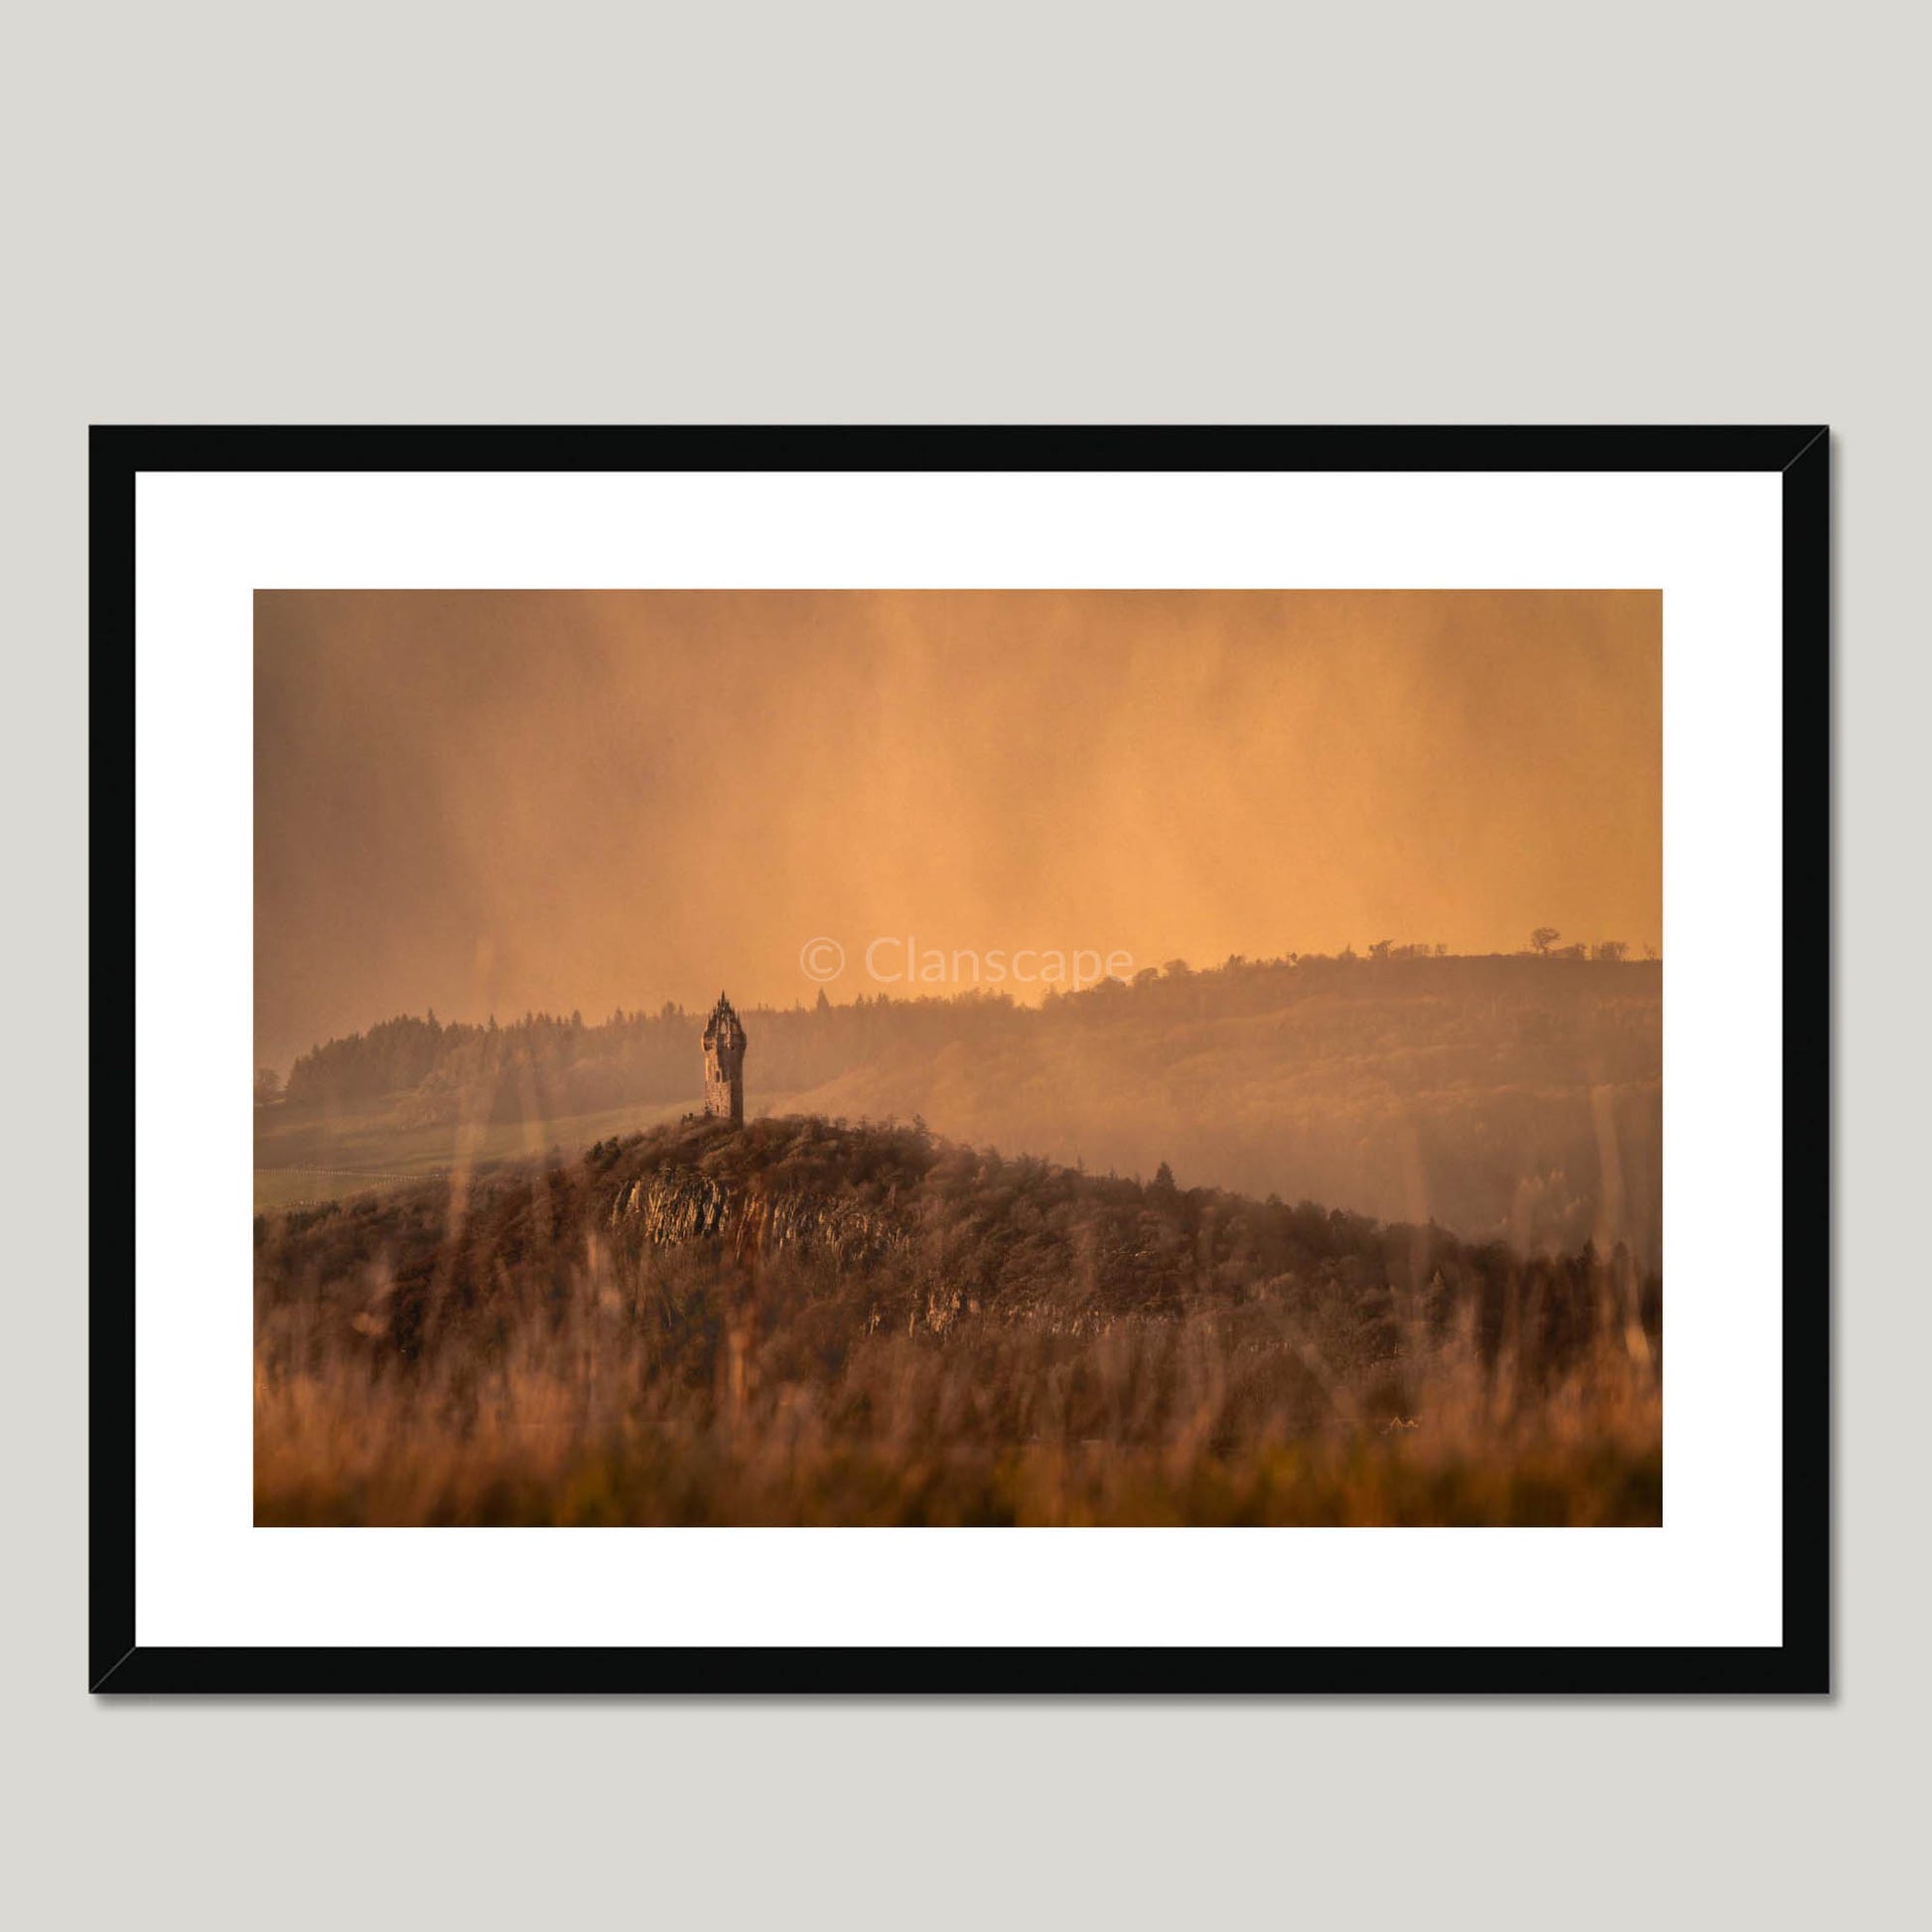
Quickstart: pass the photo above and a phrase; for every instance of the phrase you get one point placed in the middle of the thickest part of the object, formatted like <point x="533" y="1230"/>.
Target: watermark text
<point x="894" y="959"/>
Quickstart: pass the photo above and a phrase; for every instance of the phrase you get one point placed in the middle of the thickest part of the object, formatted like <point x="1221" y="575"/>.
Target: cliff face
<point x="678" y="1204"/>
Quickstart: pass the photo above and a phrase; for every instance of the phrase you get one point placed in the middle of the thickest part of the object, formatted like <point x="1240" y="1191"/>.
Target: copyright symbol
<point x="821" y="959"/>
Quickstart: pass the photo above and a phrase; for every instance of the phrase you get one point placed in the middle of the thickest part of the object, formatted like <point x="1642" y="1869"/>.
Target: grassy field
<point x="306" y="1156"/>
<point x="804" y="1322"/>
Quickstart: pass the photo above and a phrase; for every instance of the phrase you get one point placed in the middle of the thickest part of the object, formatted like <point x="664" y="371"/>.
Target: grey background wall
<point x="974" y="213"/>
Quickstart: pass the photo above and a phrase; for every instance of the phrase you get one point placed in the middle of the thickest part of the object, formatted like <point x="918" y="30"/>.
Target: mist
<point x="488" y="802"/>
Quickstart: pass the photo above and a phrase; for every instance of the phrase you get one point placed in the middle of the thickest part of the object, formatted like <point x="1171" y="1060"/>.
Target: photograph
<point x="1004" y="818"/>
<point x="1114" y="1058"/>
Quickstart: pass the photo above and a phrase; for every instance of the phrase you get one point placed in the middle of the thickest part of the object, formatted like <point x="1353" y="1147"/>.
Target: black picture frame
<point x="1800" y="456"/>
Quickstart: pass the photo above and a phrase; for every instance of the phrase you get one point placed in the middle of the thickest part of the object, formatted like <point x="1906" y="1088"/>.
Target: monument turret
<point x="724" y="1062"/>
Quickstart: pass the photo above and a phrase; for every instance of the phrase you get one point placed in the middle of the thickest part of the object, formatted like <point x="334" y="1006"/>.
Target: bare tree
<point x="1543" y="937"/>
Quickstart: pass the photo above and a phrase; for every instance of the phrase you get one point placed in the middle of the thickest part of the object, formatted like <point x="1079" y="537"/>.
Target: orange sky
<point x="504" y="801"/>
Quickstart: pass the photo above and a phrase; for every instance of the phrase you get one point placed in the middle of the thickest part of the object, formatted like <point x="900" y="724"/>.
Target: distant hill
<point x="1505" y="1097"/>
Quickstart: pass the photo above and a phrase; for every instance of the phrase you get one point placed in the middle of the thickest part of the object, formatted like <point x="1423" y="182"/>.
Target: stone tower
<point x="724" y="1062"/>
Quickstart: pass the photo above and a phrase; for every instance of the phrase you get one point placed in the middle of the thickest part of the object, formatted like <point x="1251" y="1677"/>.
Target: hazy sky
<point x="506" y="801"/>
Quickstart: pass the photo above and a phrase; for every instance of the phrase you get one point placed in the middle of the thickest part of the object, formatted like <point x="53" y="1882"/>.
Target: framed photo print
<point x="960" y="1060"/>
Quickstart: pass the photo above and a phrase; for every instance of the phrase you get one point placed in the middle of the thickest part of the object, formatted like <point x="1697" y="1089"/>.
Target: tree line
<point x="545" y="1064"/>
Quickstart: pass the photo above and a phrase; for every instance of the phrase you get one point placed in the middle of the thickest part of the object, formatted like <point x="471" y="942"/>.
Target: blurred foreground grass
<point x="803" y="1324"/>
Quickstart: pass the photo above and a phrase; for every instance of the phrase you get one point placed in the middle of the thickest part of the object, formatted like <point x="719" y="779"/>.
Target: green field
<point x="309" y="1155"/>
